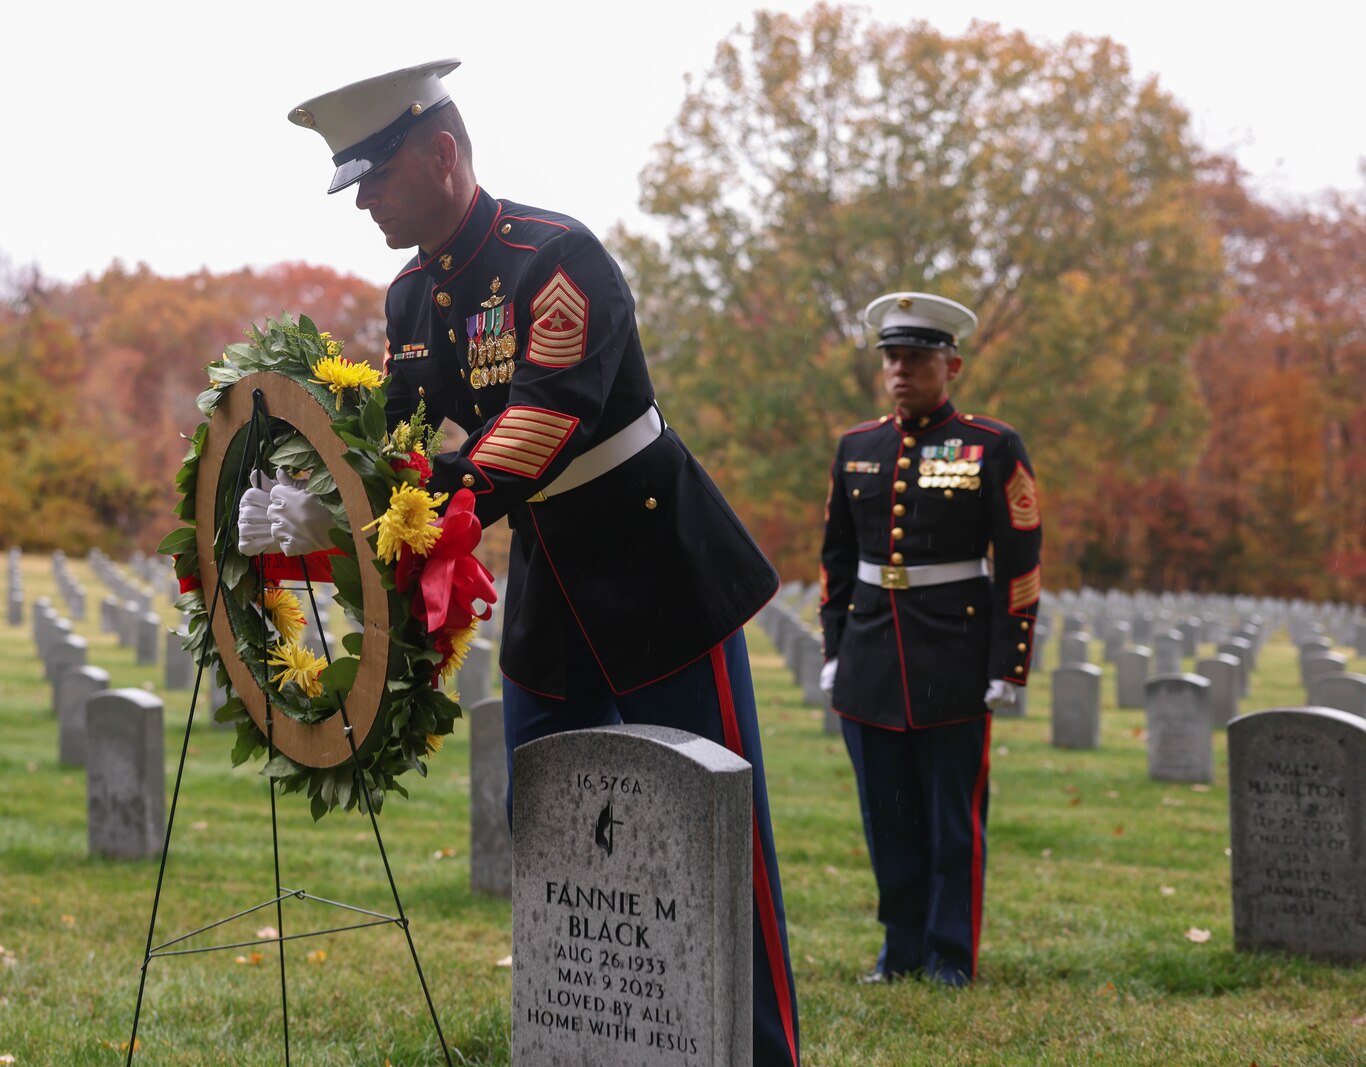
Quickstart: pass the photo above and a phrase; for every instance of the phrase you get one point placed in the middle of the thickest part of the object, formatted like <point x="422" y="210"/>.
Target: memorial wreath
<point x="427" y="603"/>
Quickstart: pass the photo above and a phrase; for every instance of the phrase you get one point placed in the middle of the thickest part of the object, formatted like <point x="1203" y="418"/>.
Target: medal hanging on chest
<point x="492" y="346"/>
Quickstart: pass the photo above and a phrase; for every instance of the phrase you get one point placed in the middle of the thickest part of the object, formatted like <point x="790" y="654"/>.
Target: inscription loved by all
<point x="611" y="960"/>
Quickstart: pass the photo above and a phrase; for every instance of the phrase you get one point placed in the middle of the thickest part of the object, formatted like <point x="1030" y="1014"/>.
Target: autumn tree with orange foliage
<point x="100" y="383"/>
<point x="824" y="160"/>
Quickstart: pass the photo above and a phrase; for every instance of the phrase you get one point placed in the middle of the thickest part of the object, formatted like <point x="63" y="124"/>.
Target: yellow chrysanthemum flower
<point x="340" y="374"/>
<point x="286" y="614"/>
<point x="461" y="643"/>
<point x="408" y="522"/>
<point x="435" y="742"/>
<point x="299" y="665"/>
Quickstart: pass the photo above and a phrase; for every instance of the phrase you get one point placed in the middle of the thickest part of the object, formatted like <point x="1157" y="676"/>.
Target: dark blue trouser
<point x="923" y="795"/>
<point x="713" y="698"/>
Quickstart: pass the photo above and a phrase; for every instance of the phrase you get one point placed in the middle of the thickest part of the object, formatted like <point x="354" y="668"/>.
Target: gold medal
<point x="507" y="344"/>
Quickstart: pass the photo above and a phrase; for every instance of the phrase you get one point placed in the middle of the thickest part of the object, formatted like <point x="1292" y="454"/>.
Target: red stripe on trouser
<point x="763" y="892"/>
<point x="978" y="835"/>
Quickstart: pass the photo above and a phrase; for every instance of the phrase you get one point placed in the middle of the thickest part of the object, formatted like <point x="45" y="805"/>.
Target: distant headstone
<point x="180" y="665"/>
<point x="1317" y="664"/>
<point x="1345" y="691"/>
<point x="1297" y="815"/>
<point x="810" y="660"/>
<point x="73" y="689"/>
<point x="475" y="678"/>
<point x="632" y="905"/>
<point x="1132" y="668"/>
<point x="149" y="631"/>
<point x="1240" y="648"/>
<point x="490" y="839"/>
<point x="1169" y="650"/>
<point x="125" y="774"/>
<point x="16" y="607"/>
<point x="67" y="653"/>
<point x="1074" y="647"/>
<point x="1225" y="684"/>
<point x="1178" y="720"/>
<point x="1076" y="706"/>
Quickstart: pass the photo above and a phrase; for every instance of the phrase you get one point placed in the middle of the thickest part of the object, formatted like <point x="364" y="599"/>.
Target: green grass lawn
<point x="1094" y="878"/>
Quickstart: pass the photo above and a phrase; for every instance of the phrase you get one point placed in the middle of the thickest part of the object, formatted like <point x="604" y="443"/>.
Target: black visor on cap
<point x="915" y="337"/>
<point x="376" y="150"/>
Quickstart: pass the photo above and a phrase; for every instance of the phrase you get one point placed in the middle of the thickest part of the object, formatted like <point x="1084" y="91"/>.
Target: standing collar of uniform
<point x="928" y="421"/>
<point x="469" y="237"/>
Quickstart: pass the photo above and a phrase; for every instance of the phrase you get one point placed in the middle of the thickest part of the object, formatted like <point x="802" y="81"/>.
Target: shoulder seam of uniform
<point x="871" y="424"/>
<point x="986" y="422"/>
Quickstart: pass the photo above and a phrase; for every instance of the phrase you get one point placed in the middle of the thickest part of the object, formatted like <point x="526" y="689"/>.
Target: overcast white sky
<point x="155" y="131"/>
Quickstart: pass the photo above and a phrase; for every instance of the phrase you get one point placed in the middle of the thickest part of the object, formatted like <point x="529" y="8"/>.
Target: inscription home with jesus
<point x="631" y="916"/>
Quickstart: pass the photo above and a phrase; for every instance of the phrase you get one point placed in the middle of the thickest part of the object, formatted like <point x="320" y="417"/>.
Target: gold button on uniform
<point x="897" y="559"/>
<point x="908" y="441"/>
<point x="898" y="533"/>
<point x="651" y="503"/>
<point x="444" y="299"/>
<point x="967" y="418"/>
<point x="854" y="493"/>
<point x="1024" y="626"/>
<point x="948" y="492"/>
<point x="446" y="262"/>
<point x="924" y="420"/>
<point x="899" y="486"/>
<point x="1022" y="647"/>
<point x="1019" y="670"/>
<point x="898" y="510"/>
<point x="467" y="481"/>
<point x="904" y="462"/>
<point x="507" y="228"/>
<point x="972" y="610"/>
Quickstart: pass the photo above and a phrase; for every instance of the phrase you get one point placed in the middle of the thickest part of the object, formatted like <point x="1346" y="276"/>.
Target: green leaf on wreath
<point x="321" y="482"/>
<point x="296" y="454"/>
<point x="346" y="577"/>
<point x="207" y="401"/>
<point x="318" y="807"/>
<point x="372" y="417"/>
<point x="353" y="642"/>
<point x="340" y="675"/>
<point x="249" y="741"/>
<point x="177" y="541"/>
<point x="280" y="767"/>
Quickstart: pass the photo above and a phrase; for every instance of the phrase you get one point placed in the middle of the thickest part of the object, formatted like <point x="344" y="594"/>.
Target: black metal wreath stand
<point x="282" y="894"/>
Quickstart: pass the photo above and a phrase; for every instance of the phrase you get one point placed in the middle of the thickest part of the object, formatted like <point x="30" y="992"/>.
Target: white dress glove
<point x="254" y="535"/>
<point x="827" y="681"/>
<point x="298" y="519"/>
<point x="1000" y="695"/>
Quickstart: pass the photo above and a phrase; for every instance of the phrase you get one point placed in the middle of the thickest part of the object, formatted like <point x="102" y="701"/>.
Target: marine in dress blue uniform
<point x="931" y="580"/>
<point x="630" y="578"/>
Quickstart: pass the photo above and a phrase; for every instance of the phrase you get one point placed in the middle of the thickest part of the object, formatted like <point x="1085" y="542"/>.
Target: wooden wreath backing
<point x="321" y="744"/>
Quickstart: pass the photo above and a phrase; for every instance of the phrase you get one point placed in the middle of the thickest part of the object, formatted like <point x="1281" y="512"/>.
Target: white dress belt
<point x="889" y="577"/>
<point x="602" y="457"/>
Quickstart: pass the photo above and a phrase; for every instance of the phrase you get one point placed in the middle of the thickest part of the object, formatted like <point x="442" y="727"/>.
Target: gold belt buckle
<point x="895" y="578"/>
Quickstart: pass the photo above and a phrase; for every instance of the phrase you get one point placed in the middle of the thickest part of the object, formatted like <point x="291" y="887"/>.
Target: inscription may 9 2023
<point x="606" y="968"/>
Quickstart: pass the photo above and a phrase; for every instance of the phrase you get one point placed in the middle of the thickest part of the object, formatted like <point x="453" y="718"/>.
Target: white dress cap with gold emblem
<point x="918" y="320"/>
<point x="364" y="123"/>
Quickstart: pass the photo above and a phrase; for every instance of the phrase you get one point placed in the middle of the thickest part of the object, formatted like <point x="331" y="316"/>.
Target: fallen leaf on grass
<point x="69" y="921"/>
<point x="268" y="933"/>
<point x="1360" y="1020"/>
<point x="1172" y="802"/>
<point x="32" y="768"/>
<point x="250" y="961"/>
<point x="318" y="955"/>
<point x="1199" y="788"/>
<point x="1069" y="788"/>
<point x="1001" y="750"/>
<point x="1074" y="802"/>
<point x="506" y="961"/>
<point x="1119" y="830"/>
<point x="1046" y="853"/>
<point x="7" y="1058"/>
<point x="1140" y="733"/>
<point x="831" y="870"/>
<point x="1197" y="935"/>
<point x="122" y="1046"/>
<point x="1166" y="890"/>
<point x="1112" y="794"/>
<point x="1107" y="990"/>
<point x="201" y="825"/>
<point x="443" y="853"/>
<point x="1228" y="852"/>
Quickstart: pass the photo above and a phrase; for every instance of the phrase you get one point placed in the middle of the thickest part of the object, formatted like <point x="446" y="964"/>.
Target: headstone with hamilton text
<point x="1297" y="816"/>
<point x="632" y="901"/>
